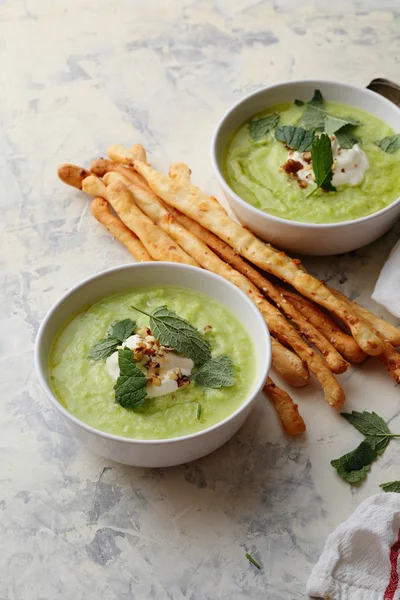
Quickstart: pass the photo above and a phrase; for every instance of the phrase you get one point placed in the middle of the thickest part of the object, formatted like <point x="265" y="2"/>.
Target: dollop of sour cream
<point x="165" y="370"/>
<point x="349" y="165"/>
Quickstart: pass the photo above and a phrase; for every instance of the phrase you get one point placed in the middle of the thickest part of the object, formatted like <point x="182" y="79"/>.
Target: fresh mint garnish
<point x="299" y="102"/>
<point x="177" y="333"/>
<point x="216" y="372"/>
<point x="389" y="144"/>
<point x="130" y="388"/>
<point x="354" y="466"/>
<point x="391" y="486"/>
<point x="294" y="137"/>
<point x="333" y="124"/>
<point x="260" y="127"/>
<point x="119" y="333"/>
<point x="345" y="137"/>
<point x="322" y="162"/>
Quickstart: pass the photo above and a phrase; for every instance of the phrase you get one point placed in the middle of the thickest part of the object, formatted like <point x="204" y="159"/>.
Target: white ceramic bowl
<point x="155" y="453"/>
<point x="293" y="236"/>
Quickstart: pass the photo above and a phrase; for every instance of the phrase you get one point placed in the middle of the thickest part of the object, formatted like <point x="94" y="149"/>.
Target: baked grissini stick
<point x="285" y="362"/>
<point x="390" y="357"/>
<point x="343" y="342"/>
<point x="149" y="234"/>
<point x="72" y="175"/>
<point x="287" y="410"/>
<point x="388" y="331"/>
<point x="101" y="166"/>
<point x="101" y="211"/>
<point x="280" y="328"/>
<point x="288" y="365"/>
<point x="208" y="212"/>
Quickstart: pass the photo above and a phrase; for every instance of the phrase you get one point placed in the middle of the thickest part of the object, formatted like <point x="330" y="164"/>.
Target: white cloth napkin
<point x="360" y="560"/>
<point x="387" y="288"/>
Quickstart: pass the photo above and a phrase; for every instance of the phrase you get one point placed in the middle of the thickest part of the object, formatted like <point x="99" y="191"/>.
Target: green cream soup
<point x="86" y="389"/>
<point x="253" y="169"/>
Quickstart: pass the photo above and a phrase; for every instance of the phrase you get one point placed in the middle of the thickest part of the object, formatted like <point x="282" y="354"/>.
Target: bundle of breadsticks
<point x="314" y="328"/>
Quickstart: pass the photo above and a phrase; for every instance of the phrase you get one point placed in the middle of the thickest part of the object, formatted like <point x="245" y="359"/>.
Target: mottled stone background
<point x="75" y="77"/>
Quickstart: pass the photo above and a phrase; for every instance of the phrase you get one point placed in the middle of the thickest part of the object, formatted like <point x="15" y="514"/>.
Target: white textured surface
<point x="76" y="77"/>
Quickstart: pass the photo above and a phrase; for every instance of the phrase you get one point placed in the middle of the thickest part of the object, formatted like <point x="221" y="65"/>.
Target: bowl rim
<point x="44" y="384"/>
<point x="257" y="211"/>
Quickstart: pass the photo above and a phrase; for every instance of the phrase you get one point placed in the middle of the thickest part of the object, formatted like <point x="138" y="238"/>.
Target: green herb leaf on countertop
<point x="130" y="388"/>
<point x="389" y="144"/>
<point x="391" y="486"/>
<point x="354" y="466"/>
<point x="299" y="102"/>
<point x="345" y="137"/>
<point x="333" y="124"/>
<point x="260" y="127"/>
<point x="179" y="334"/>
<point x="373" y="427"/>
<point x="216" y="372"/>
<point x="252" y="560"/>
<point x="296" y="138"/>
<point x="119" y="333"/>
<point x="322" y="162"/>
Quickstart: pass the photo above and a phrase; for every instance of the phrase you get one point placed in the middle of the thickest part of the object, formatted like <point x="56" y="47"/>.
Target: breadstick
<point x="72" y="175"/>
<point x="208" y="212"/>
<point x="158" y="244"/>
<point x="288" y="365"/>
<point x="118" y="153"/>
<point x="223" y="250"/>
<point x="287" y="410"/>
<point x="101" y="211"/>
<point x="344" y="343"/>
<point x="389" y="356"/>
<point x="388" y="331"/>
<point x="279" y="327"/>
<point x="101" y="166"/>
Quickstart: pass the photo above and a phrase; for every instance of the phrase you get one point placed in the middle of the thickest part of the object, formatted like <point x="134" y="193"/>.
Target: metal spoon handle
<point x="386" y="88"/>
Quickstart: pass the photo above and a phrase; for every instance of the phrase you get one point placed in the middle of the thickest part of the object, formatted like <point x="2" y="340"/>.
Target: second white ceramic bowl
<point x="294" y="236"/>
<point x="155" y="453"/>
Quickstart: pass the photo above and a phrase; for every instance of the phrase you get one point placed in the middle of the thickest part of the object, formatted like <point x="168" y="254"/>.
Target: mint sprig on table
<point x="260" y="127"/>
<point x="389" y="144"/>
<point x="391" y="486"/>
<point x="322" y="162"/>
<point x="354" y="466"/>
<point x="119" y="333"/>
<point x="130" y="388"/>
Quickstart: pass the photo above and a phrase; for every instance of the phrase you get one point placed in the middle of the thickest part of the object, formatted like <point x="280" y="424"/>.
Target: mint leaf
<point x="314" y="115"/>
<point x="322" y="161"/>
<point x="130" y="388"/>
<point x="260" y="127"/>
<point x="389" y="144"/>
<point x="345" y="137"/>
<point x="103" y="349"/>
<point x="123" y="329"/>
<point x="179" y="334"/>
<point x="299" y="102"/>
<point x="119" y="333"/>
<point x="354" y="466"/>
<point x="216" y="372"/>
<point x="333" y="124"/>
<point x="391" y="486"/>
<point x="378" y="443"/>
<point x="295" y="137"/>
<point x="367" y="423"/>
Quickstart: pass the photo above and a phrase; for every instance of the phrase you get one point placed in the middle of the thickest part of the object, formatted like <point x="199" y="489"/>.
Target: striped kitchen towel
<point x="360" y="560"/>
